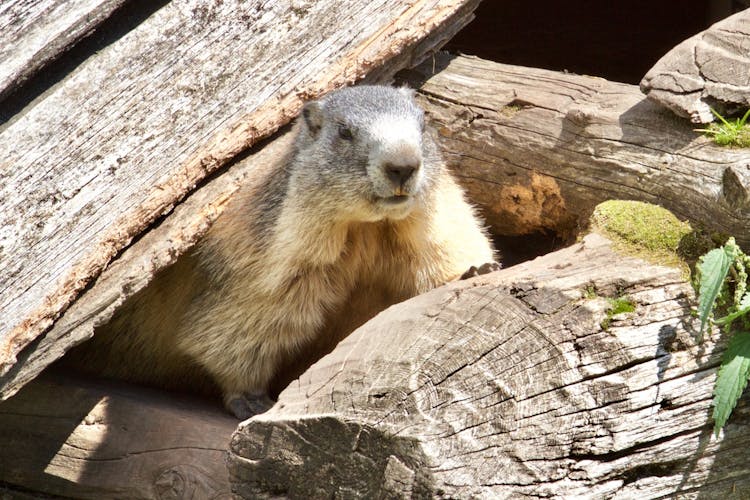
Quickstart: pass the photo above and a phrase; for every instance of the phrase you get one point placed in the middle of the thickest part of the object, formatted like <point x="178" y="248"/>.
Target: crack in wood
<point x="611" y="456"/>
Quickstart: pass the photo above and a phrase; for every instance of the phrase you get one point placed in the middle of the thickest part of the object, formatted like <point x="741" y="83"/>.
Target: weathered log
<point x="540" y="149"/>
<point x="79" y="439"/>
<point x="32" y="34"/>
<point x="126" y="136"/>
<point x="507" y="386"/>
<point x="710" y="69"/>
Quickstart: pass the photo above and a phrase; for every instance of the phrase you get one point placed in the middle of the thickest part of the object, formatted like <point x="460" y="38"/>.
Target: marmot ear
<point x="313" y="116"/>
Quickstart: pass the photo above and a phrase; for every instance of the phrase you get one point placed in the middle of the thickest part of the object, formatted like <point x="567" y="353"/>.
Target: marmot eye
<point x="345" y="133"/>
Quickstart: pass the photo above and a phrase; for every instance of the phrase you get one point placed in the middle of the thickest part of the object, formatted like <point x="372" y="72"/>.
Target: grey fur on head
<point x="365" y="145"/>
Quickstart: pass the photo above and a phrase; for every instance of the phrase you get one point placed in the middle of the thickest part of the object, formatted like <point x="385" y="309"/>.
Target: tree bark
<point x="138" y="125"/>
<point x="538" y="150"/>
<point x="507" y="386"/>
<point x="509" y="156"/>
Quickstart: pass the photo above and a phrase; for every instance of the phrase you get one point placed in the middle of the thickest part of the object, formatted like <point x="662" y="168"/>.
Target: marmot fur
<point x="362" y="215"/>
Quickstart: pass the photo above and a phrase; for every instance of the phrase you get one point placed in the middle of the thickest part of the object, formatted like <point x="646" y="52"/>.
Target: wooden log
<point x="32" y="34"/>
<point x="74" y="438"/>
<point x="539" y="149"/>
<point x="507" y="386"/>
<point x="136" y="127"/>
<point x="707" y="71"/>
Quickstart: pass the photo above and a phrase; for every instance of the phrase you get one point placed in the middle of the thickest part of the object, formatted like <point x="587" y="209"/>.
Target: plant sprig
<point x="722" y="285"/>
<point x="734" y="132"/>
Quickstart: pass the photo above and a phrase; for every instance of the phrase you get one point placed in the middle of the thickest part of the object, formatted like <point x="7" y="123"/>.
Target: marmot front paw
<point x="485" y="268"/>
<point x="246" y="405"/>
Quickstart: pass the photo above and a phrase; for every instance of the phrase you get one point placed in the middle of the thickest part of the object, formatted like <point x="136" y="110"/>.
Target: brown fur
<point x="282" y="273"/>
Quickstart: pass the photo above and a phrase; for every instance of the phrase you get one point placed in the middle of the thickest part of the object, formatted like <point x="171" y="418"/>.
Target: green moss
<point x="621" y="305"/>
<point x="617" y="305"/>
<point x="650" y="232"/>
<point x="648" y="226"/>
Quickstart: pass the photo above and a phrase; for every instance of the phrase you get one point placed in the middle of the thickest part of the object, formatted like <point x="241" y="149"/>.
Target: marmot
<point x="362" y="215"/>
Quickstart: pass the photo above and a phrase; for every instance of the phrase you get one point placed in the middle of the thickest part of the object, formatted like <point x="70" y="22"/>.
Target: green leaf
<point x="744" y="118"/>
<point x="717" y="115"/>
<point x="714" y="267"/>
<point x="732" y="378"/>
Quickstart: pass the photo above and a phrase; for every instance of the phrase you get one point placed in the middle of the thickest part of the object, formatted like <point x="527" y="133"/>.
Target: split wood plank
<point x="137" y="126"/>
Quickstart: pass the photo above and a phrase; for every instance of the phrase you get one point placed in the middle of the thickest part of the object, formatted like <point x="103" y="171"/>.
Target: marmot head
<point x="365" y="147"/>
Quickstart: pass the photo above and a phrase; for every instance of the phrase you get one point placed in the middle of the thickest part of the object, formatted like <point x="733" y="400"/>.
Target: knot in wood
<point x="174" y="483"/>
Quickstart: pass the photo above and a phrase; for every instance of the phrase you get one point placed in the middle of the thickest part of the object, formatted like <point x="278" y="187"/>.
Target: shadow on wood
<point x="67" y="436"/>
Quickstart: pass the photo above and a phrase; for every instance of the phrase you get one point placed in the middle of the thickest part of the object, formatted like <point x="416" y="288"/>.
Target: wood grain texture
<point x="132" y="130"/>
<point x="539" y="149"/>
<point x="77" y="439"/>
<point x="506" y="386"/>
<point x="35" y="32"/>
<point x="708" y="70"/>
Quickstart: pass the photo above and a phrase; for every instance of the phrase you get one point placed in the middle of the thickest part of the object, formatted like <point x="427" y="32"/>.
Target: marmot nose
<point x="399" y="174"/>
